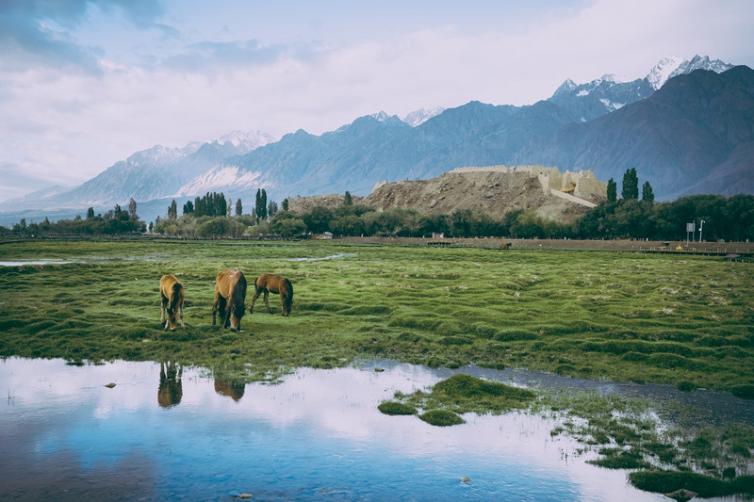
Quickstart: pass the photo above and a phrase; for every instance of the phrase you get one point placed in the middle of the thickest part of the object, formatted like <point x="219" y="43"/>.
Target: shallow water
<point x="336" y="256"/>
<point x="681" y="408"/>
<point x="40" y="262"/>
<point x="317" y="435"/>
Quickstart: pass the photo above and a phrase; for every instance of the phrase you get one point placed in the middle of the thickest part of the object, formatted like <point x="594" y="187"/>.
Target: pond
<point x="169" y="432"/>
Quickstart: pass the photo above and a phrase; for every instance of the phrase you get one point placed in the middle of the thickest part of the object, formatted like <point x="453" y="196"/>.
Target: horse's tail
<point x="176" y="296"/>
<point x="288" y="301"/>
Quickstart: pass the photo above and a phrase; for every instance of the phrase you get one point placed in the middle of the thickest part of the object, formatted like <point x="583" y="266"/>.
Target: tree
<point x="285" y="204"/>
<point x="132" y="209"/>
<point x="172" y="210"/>
<point x="612" y="191"/>
<point x="239" y="207"/>
<point x="647" y="194"/>
<point x="287" y="225"/>
<point x="263" y="202"/>
<point x="188" y="207"/>
<point x="150" y="227"/>
<point x="347" y="199"/>
<point x="229" y="207"/>
<point x="257" y="202"/>
<point x="272" y="208"/>
<point x="630" y="185"/>
<point x="90" y="213"/>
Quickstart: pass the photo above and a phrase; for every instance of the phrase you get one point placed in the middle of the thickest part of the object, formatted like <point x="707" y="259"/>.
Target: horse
<point x="277" y="284"/>
<point x="230" y="295"/>
<point x="170" y="391"/>
<point x="171" y="301"/>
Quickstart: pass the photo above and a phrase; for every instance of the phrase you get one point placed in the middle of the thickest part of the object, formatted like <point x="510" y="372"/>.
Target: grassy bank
<point x="644" y="318"/>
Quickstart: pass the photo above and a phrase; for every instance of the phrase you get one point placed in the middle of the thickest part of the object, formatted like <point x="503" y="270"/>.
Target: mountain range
<point x="688" y="127"/>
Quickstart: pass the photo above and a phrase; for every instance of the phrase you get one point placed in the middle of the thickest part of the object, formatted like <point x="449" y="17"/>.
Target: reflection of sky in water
<point x="318" y="434"/>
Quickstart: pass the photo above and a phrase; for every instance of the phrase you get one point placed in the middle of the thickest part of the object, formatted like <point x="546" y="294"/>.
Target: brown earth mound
<point x="495" y="190"/>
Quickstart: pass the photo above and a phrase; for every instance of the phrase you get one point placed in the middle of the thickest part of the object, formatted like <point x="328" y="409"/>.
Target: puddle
<point x="336" y="256"/>
<point x="41" y="262"/>
<point x="170" y="432"/>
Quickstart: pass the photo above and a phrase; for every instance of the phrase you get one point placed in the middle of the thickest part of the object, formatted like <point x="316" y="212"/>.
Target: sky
<point x="85" y="83"/>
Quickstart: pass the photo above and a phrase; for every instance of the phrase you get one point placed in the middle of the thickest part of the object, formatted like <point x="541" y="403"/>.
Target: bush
<point x="396" y="408"/>
<point x="441" y="418"/>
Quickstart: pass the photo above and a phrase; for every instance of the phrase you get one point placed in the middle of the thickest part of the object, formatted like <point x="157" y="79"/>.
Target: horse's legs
<point x="254" y="300"/>
<point x="282" y="302"/>
<point x="180" y="313"/>
<point x="267" y="300"/>
<point x="226" y="316"/>
<point x="163" y="306"/>
<point x="214" y="308"/>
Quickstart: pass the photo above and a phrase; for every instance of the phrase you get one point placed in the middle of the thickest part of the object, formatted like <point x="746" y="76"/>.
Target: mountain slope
<point x="680" y="135"/>
<point x="154" y="173"/>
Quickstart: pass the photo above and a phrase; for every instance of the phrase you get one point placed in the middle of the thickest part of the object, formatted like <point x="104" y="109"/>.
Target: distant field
<point x="623" y="316"/>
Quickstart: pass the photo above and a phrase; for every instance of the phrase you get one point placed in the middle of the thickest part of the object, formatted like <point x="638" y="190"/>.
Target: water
<point x="316" y="436"/>
<point x="38" y="263"/>
<point x="336" y="256"/>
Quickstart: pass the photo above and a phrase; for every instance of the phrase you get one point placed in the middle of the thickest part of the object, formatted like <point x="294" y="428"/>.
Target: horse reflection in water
<point x="231" y="388"/>
<point x="171" y="388"/>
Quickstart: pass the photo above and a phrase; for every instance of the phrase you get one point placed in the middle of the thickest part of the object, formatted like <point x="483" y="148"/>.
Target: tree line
<point x="635" y="214"/>
<point x="116" y="221"/>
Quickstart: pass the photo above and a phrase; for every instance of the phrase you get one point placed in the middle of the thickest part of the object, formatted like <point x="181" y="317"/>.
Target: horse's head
<point x="172" y="321"/>
<point x="236" y="315"/>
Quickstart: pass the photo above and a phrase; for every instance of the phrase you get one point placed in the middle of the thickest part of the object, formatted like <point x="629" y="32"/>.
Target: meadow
<point x="682" y="320"/>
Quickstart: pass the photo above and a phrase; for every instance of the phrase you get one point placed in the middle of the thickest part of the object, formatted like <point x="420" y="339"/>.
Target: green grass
<point x="396" y="408"/>
<point x="459" y="394"/>
<point x="441" y="418"/>
<point x="704" y="486"/>
<point x="686" y="321"/>
<point x="621" y="316"/>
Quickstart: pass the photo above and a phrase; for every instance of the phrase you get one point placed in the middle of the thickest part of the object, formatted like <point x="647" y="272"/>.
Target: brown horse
<point x="230" y="296"/>
<point x="171" y="301"/>
<point x="277" y="284"/>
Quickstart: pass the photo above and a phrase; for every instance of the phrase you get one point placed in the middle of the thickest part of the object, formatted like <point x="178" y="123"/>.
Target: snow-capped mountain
<point x="158" y="172"/>
<point x="565" y="130"/>
<point x="600" y="96"/>
<point x="671" y="67"/>
<point x="245" y="141"/>
<point x="418" y="117"/>
<point x="608" y="93"/>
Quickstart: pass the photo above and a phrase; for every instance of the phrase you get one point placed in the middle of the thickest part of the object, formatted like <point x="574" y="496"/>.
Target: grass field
<point x="623" y="316"/>
<point x="683" y="320"/>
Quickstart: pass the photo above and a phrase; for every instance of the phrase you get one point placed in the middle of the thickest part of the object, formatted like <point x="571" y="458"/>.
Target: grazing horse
<point x="170" y="391"/>
<point x="277" y="284"/>
<point x="171" y="298"/>
<point x="230" y="295"/>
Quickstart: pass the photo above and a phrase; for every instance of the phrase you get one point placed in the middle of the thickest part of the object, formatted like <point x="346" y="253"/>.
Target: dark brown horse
<point x="230" y="296"/>
<point x="171" y="301"/>
<point x="276" y="284"/>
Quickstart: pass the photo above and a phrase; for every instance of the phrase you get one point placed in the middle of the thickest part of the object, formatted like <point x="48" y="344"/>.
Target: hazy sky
<point x="86" y="83"/>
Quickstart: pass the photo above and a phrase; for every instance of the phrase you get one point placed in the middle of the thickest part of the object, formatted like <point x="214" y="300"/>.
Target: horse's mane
<point x="176" y="296"/>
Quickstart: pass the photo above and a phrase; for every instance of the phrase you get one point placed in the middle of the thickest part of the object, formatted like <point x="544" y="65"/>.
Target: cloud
<point x="210" y="55"/>
<point x="39" y="32"/>
<point x="199" y="84"/>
